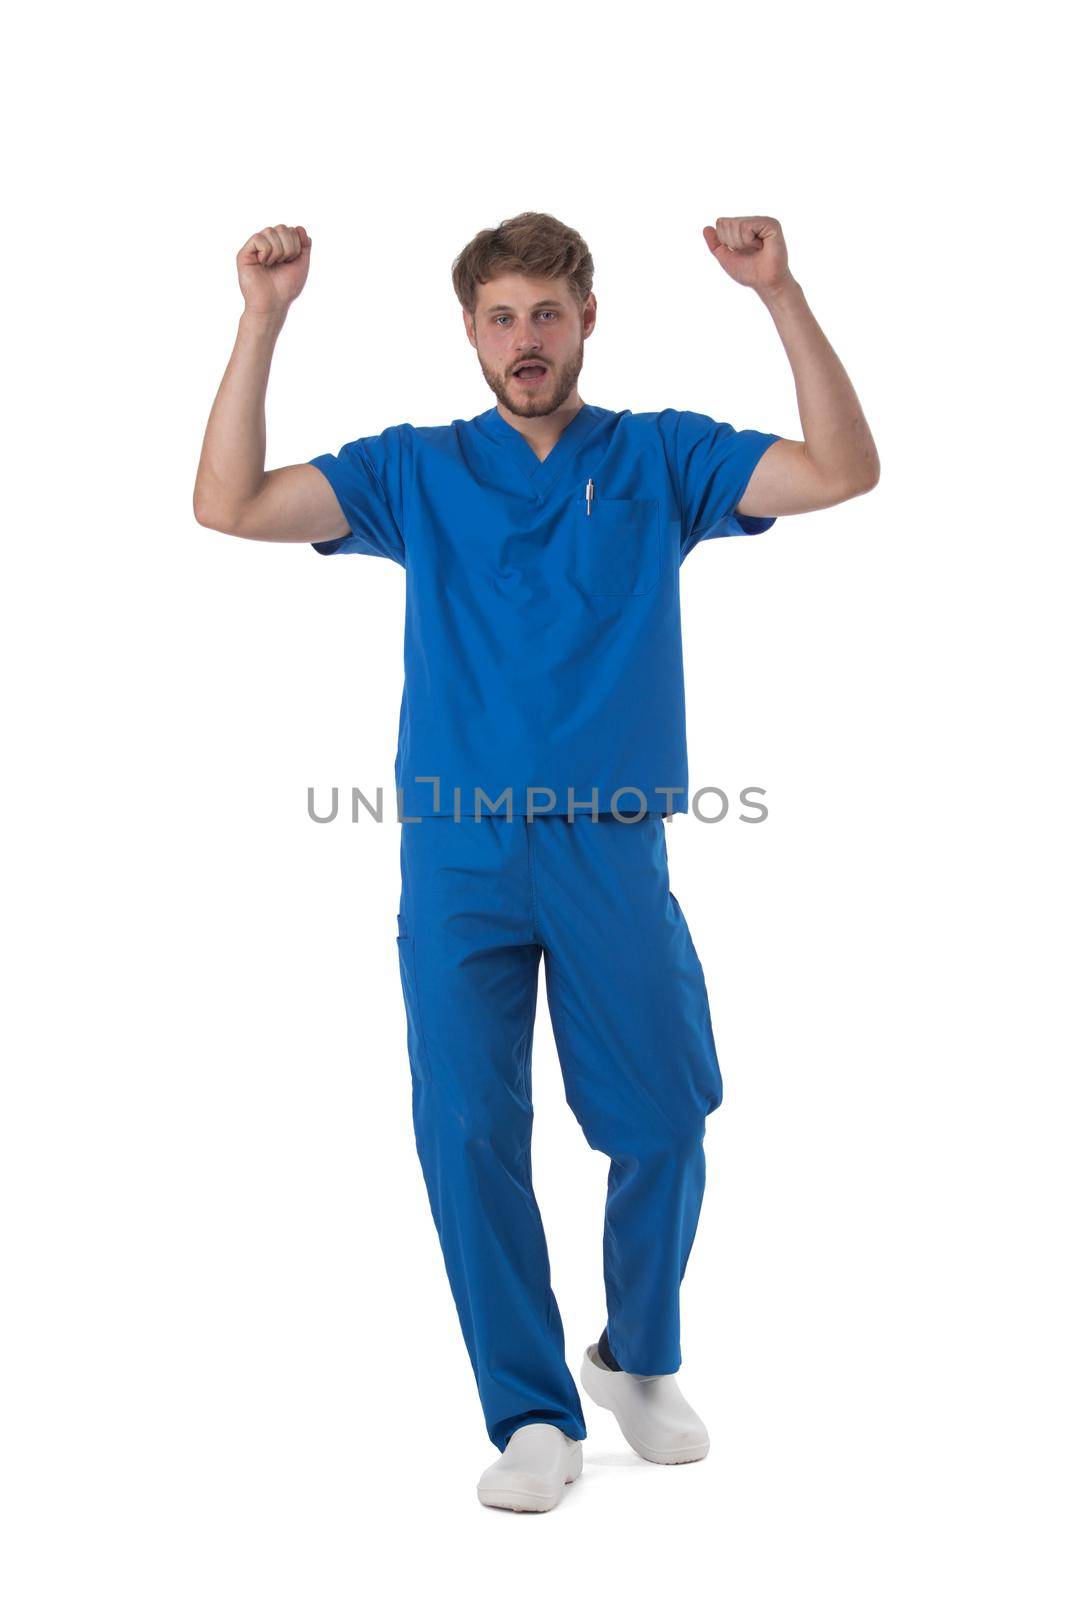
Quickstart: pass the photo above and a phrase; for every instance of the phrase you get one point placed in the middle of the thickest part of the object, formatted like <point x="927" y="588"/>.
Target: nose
<point x="530" y="343"/>
<point x="529" y="352"/>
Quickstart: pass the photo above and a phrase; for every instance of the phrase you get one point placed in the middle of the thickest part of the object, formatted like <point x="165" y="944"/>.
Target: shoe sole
<point x="503" y="1499"/>
<point x="661" y="1458"/>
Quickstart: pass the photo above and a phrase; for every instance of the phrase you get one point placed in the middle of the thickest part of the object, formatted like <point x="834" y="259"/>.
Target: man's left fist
<point x="752" y="250"/>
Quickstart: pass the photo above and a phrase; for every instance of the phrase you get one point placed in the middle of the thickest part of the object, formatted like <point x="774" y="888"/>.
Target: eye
<point x="503" y="317"/>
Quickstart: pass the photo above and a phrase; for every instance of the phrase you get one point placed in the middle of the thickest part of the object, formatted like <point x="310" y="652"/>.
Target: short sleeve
<point x="712" y="464"/>
<point x="366" y="475"/>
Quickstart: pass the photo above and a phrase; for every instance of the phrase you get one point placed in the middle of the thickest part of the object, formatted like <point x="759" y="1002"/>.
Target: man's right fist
<point x="272" y="267"/>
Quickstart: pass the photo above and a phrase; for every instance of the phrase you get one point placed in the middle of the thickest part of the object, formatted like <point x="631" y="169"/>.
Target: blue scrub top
<point x="542" y="641"/>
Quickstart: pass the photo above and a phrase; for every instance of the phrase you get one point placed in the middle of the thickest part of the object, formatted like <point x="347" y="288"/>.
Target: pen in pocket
<point x="589" y="498"/>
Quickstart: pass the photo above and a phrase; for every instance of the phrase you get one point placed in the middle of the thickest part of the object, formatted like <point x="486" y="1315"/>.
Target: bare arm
<point x="233" y="492"/>
<point x="837" y="459"/>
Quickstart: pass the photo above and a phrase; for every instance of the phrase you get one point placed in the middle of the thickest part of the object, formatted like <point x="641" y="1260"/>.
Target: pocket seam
<point x="409" y="969"/>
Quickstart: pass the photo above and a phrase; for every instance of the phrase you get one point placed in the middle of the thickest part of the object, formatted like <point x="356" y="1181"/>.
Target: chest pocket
<point x="616" y="546"/>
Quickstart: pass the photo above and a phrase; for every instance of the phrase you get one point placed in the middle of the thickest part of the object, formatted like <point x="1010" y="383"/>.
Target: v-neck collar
<point x="522" y="454"/>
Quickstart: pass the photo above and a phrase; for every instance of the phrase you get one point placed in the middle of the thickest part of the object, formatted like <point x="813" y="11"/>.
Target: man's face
<point x="530" y="322"/>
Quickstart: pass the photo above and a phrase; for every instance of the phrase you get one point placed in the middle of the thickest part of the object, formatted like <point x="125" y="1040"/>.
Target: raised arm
<point x="233" y="492"/>
<point x="837" y="459"/>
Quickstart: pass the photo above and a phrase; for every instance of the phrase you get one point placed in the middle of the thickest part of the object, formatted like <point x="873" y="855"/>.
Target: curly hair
<point x="534" y="244"/>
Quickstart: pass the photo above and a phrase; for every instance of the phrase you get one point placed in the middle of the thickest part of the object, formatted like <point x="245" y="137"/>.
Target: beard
<point x="540" y="402"/>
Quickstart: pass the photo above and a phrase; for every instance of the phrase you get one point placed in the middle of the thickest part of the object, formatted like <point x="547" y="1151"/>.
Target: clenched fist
<point x="752" y="250"/>
<point x="272" y="268"/>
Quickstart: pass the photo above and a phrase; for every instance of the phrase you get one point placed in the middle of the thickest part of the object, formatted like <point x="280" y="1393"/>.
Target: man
<point x="541" y="745"/>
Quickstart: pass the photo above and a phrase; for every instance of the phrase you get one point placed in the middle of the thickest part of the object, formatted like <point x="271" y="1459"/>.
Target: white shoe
<point x="655" y="1418"/>
<point x="537" y="1461"/>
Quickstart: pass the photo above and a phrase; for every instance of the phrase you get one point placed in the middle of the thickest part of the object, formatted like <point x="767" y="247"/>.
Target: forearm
<point x="836" y="436"/>
<point x="233" y="456"/>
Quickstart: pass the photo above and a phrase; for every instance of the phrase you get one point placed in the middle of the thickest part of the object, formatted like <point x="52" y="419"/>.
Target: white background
<point x="231" y="1362"/>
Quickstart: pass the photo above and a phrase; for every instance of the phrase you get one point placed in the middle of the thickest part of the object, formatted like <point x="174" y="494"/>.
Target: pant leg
<point x="633" y="1030"/>
<point x="469" y="964"/>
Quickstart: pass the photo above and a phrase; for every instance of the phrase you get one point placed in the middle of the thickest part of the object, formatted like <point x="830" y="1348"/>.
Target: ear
<point x="468" y="323"/>
<point x="589" y="314"/>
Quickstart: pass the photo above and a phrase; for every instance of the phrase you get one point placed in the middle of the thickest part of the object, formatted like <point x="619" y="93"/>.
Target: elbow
<point x="866" y="480"/>
<point x="873" y="472"/>
<point x="210" y="515"/>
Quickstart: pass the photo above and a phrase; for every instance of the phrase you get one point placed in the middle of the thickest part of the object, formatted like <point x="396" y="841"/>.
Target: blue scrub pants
<point x="481" y="902"/>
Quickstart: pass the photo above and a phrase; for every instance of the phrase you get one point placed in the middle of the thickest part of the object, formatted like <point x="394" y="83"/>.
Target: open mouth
<point x="530" y="372"/>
